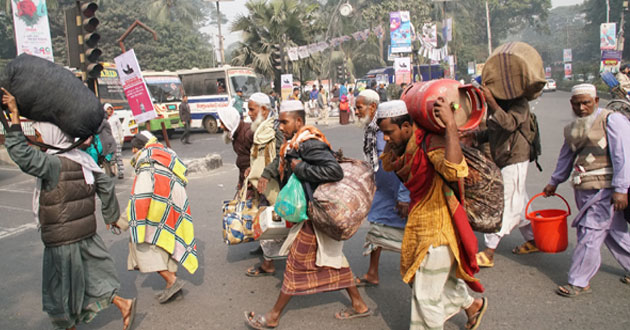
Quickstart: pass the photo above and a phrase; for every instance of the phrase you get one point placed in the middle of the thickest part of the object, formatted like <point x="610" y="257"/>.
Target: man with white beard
<point x="388" y="214"/>
<point x="263" y="161"/>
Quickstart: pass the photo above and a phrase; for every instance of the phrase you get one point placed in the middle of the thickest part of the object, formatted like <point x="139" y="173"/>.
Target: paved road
<point x="520" y="289"/>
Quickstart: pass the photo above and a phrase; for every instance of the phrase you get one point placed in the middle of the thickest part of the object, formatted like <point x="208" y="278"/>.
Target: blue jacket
<point x="389" y="190"/>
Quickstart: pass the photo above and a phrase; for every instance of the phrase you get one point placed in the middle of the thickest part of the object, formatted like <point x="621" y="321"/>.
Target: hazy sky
<point x="236" y="7"/>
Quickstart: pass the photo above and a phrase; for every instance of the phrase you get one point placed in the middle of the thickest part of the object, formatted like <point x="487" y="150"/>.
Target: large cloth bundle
<point x="339" y="208"/>
<point x="514" y="70"/>
<point x="48" y="92"/>
<point x="238" y="218"/>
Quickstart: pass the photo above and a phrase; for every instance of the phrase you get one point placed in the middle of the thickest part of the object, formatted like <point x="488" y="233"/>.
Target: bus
<point x="165" y="89"/>
<point x="110" y="91"/>
<point x="208" y="90"/>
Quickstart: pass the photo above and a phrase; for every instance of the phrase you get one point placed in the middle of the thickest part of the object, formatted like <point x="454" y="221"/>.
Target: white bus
<point x="208" y="90"/>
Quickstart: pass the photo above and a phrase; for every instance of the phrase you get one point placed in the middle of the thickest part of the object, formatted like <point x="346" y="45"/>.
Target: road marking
<point x="17" y="230"/>
<point x="16" y="191"/>
<point x="15" y="208"/>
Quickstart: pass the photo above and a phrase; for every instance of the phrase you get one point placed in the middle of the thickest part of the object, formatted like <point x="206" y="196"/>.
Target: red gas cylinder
<point x="467" y="101"/>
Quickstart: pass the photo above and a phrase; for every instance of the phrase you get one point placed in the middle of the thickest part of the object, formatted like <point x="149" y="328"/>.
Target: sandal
<point x="257" y="271"/>
<point x="257" y="321"/>
<point x="572" y="291"/>
<point x="625" y="279"/>
<point x="131" y="316"/>
<point x="525" y="248"/>
<point x="478" y="315"/>
<point x="362" y="282"/>
<point x="483" y="261"/>
<point x="350" y="313"/>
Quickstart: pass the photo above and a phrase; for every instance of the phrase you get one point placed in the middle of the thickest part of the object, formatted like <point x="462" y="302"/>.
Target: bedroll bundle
<point x="48" y="92"/>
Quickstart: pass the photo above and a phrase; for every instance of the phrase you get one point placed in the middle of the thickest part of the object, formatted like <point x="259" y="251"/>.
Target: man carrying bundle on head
<point x="390" y="206"/>
<point x="79" y="276"/>
<point x="596" y="149"/>
<point x="315" y="261"/>
<point x="438" y="243"/>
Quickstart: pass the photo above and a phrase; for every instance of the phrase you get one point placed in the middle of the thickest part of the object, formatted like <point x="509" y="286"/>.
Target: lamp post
<point x="221" y="48"/>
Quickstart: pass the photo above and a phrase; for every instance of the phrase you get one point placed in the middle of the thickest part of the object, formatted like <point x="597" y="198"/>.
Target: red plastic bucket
<point x="549" y="226"/>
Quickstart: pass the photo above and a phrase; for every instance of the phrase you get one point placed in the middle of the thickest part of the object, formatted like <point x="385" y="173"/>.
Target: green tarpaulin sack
<point x="291" y="201"/>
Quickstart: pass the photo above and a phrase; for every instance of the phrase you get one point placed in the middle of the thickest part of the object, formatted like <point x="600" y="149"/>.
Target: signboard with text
<point x="567" y="55"/>
<point x="134" y="86"/>
<point x="568" y="70"/>
<point x="608" y="36"/>
<point x="32" y="32"/>
<point x="286" y="85"/>
<point x="400" y="31"/>
<point x="402" y="67"/>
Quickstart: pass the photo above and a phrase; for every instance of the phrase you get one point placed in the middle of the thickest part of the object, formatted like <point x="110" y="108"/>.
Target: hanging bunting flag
<point x="378" y="31"/>
<point x="312" y="49"/>
<point x="303" y="52"/>
<point x="322" y="46"/>
<point x="293" y="54"/>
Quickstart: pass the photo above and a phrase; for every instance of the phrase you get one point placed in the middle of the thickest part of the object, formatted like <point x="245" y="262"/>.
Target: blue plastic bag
<point x="291" y="202"/>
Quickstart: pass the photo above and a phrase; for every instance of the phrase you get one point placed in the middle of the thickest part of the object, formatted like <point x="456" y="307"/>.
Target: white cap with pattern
<point x="391" y="109"/>
<point x="291" y="105"/>
<point x="260" y="99"/>
<point x="587" y="89"/>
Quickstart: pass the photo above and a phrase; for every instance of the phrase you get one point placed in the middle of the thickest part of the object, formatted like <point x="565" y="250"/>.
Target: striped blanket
<point x="159" y="211"/>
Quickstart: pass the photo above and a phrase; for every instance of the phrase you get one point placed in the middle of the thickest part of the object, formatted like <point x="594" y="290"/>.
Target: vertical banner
<point x="402" y="68"/>
<point x="429" y="34"/>
<point x="471" y="68"/>
<point x="447" y="29"/>
<point x="608" y="36"/>
<point x="32" y="32"/>
<point x="548" y="72"/>
<point x="568" y="70"/>
<point x="286" y="85"/>
<point x="134" y="86"/>
<point x="567" y="55"/>
<point x="400" y="32"/>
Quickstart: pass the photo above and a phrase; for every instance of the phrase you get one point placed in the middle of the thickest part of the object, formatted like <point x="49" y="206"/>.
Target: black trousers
<point x="186" y="136"/>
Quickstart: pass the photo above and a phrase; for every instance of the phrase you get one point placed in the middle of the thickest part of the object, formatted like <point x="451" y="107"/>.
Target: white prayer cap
<point x="230" y="118"/>
<point x="260" y="99"/>
<point x="587" y="89"/>
<point x="291" y="105"/>
<point x="391" y="109"/>
<point x="107" y="106"/>
<point x="370" y="96"/>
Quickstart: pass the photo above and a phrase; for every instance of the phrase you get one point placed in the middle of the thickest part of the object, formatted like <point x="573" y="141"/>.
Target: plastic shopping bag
<point x="291" y="202"/>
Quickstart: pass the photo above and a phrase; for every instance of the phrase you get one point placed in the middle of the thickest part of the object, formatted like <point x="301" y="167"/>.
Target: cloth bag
<point x="339" y="208"/>
<point x="291" y="202"/>
<point x="238" y="218"/>
<point x="513" y="70"/>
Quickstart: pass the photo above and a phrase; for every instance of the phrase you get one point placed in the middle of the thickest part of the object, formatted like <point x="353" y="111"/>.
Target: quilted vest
<point x="592" y="167"/>
<point x="66" y="213"/>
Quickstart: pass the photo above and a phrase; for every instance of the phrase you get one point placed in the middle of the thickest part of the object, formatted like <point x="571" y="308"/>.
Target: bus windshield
<point x="164" y="89"/>
<point x="110" y="90"/>
<point x="245" y="80"/>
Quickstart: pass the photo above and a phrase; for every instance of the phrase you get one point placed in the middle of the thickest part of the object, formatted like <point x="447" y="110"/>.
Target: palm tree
<point x="188" y="12"/>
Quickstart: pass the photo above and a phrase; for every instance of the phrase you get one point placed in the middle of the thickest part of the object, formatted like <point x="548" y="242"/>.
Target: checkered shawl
<point x="159" y="211"/>
<point x="369" y="144"/>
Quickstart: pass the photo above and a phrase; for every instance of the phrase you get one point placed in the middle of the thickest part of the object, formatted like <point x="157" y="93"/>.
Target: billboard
<point x="608" y="36"/>
<point x="134" y="86"/>
<point x="286" y="83"/>
<point x="400" y="31"/>
<point x="32" y="32"/>
<point x="568" y="70"/>
<point x="567" y="55"/>
<point x="402" y="67"/>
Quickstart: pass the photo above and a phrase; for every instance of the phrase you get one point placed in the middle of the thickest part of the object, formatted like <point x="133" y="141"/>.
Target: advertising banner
<point x="286" y="85"/>
<point x="568" y="70"/>
<point x="400" y="31"/>
<point x="471" y="68"/>
<point x="548" y="72"/>
<point x="567" y="55"/>
<point x="608" y="36"/>
<point x="402" y="68"/>
<point x="134" y="86"/>
<point x="447" y="29"/>
<point x="32" y="32"/>
<point x="611" y="57"/>
<point x="429" y="34"/>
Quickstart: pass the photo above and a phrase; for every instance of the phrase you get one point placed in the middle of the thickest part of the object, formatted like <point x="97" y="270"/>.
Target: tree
<point x="188" y="12"/>
<point x="596" y="15"/>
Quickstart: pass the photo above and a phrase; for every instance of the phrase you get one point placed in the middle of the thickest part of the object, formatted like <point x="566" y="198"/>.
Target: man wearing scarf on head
<point x="158" y="215"/>
<point x="239" y="133"/>
<point x="596" y="149"/>
<point x="390" y="206"/>
<point x="264" y="163"/>
<point x="79" y="276"/>
<point x="315" y="261"/>
<point x="438" y="248"/>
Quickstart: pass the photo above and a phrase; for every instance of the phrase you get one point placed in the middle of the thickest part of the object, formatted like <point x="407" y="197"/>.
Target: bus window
<point x="164" y="90"/>
<point x="245" y="80"/>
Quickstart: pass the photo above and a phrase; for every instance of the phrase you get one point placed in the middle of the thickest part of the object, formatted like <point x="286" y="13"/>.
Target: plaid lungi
<point x="302" y="276"/>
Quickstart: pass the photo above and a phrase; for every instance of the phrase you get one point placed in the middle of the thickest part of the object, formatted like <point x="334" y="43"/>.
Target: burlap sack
<point x="514" y="70"/>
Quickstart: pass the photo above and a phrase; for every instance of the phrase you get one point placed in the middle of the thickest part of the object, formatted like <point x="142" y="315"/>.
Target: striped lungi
<point x="385" y="237"/>
<point x="302" y="276"/>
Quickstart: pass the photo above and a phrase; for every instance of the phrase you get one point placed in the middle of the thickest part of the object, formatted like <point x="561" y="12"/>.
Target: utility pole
<point x="489" y="30"/>
<point x="221" y="50"/>
<point x="607" y="11"/>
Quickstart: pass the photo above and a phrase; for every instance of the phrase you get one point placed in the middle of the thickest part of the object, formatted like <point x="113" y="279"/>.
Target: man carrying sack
<point x="315" y="262"/>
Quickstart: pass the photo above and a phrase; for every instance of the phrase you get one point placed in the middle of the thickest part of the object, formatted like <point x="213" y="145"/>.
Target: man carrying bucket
<point x="595" y="149"/>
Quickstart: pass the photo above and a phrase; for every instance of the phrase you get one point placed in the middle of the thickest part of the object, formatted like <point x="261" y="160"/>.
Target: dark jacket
<point x="67" y="206"/>
<point x="382" y="94"/>
<point x="242" y="142"/>
<point x="318" y="164"/>
<point x="184" y="112"/>
<point x="507" y="145"/>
